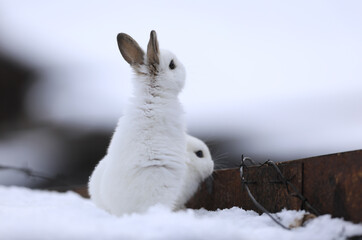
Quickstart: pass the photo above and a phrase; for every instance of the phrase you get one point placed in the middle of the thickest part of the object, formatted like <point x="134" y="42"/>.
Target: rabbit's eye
<point x="199" y="154"/>
<point x="172" y="65"/>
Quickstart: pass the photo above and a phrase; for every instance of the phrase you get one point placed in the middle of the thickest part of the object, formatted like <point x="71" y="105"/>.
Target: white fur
<point x="146" y="160"/>
<point x="198" y="169"/>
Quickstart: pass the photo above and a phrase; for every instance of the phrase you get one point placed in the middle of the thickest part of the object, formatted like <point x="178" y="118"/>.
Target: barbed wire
<point x="60" y="180"/>
<point x="292" y="192"/>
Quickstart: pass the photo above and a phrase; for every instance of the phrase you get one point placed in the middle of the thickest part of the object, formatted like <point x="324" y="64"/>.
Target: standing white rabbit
<point x="145" y="163"/>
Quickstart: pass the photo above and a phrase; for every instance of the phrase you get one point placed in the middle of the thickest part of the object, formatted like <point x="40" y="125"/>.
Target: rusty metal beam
<point x="331" y="183"/>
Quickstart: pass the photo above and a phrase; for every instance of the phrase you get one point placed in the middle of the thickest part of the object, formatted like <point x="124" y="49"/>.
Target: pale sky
<point x="285" y="76"/>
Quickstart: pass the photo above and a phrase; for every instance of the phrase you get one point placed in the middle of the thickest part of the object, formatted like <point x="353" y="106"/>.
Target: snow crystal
<point x="35" y="214"/>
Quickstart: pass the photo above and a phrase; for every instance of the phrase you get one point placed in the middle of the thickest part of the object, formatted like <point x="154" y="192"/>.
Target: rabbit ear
<point x="130" y="49"/>
<point x="153" y="51"/>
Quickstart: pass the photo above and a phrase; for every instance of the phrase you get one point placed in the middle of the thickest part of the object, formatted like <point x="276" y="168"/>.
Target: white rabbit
<point x="199" y="167"/>
<point x="145" y="162"/>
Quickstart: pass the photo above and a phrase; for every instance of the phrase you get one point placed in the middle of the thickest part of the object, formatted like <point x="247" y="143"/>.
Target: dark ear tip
<point x="153" y="33"/>
<point x="121" y="36"/>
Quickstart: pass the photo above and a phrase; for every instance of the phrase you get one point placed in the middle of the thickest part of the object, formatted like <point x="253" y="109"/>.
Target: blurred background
<point x="278" y="80"/>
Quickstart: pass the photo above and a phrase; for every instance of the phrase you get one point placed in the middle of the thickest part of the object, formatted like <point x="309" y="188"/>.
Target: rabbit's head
<point x="158" y="69"/>
<point x="201" y="162"/>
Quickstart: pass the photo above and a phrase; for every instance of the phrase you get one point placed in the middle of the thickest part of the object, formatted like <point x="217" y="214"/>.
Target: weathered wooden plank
<point x="333" y="184"/>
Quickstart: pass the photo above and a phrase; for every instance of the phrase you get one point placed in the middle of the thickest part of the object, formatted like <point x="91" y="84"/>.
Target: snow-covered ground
<point x="34" y="214"/>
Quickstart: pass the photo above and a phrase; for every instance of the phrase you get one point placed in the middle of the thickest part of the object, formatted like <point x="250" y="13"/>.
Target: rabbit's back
<point x="146" y="162"/>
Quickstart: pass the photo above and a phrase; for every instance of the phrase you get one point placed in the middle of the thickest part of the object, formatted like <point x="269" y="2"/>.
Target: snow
<point x="35" y="214"/>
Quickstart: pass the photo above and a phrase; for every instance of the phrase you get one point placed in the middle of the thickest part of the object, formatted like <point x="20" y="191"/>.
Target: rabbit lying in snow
<point x="146" y="161"/>
<point x="199" y="167"/>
